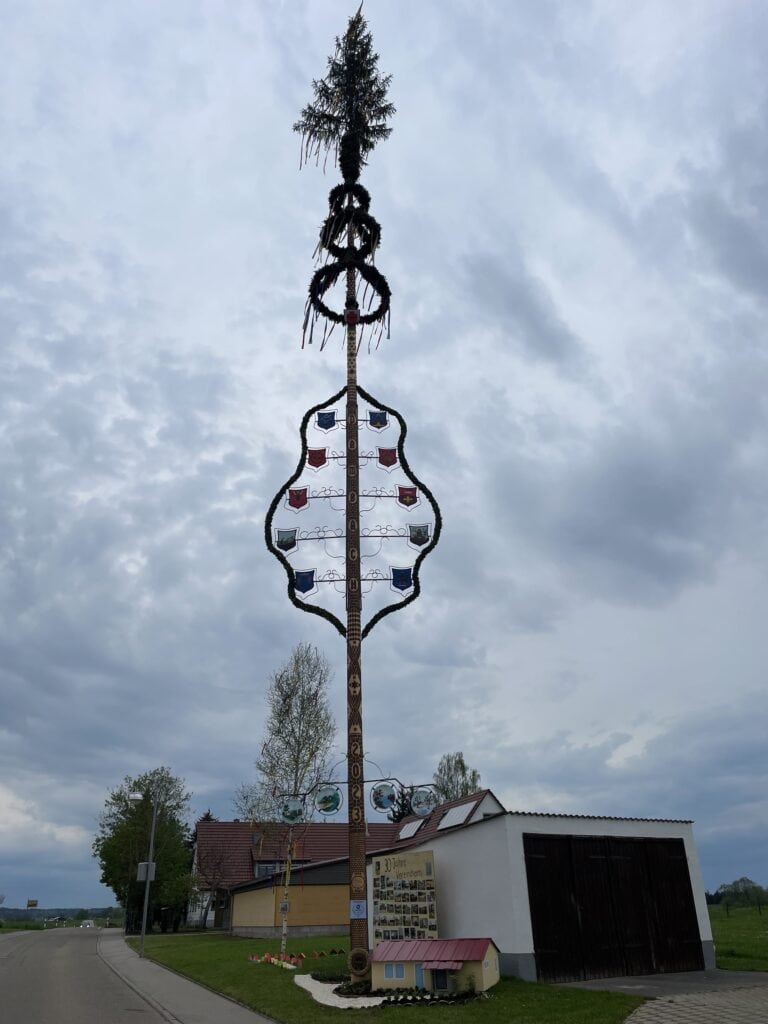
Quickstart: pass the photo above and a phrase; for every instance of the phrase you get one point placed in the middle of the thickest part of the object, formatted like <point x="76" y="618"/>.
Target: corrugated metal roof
<point x="443" y="965"/>
<point x="436" y="951"/>
<point x="598" y="817"/>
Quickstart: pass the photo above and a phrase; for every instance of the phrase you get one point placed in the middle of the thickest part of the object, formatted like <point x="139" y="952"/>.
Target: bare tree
<point x="298" y="735"/>
<point x="453" y="778"/>
<point x="210" y="870"/>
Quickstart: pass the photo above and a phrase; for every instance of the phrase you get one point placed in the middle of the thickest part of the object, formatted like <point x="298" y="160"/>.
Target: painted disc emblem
<point x="383" y="797"/>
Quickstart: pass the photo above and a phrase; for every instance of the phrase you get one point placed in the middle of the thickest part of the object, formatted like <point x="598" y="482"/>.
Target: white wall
<point x="473" y="896"/>
<point x="481" y="882"/>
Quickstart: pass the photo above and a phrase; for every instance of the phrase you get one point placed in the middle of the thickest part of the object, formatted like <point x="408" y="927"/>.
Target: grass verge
<point x="741" y="938"/>
<point x="221" y="963"/>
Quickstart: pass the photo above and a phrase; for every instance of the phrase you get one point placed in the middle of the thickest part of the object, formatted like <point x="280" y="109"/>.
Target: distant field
<point x="741" y="938"/>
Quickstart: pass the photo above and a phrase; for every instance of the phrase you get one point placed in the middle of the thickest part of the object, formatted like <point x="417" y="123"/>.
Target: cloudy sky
<point x="574" y="204"/>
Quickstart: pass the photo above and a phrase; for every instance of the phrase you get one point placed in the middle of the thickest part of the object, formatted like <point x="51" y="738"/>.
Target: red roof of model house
<point x="438" y="954"/>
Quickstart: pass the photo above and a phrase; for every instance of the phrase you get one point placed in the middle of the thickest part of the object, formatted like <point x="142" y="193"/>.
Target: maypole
<point x="347" y="118"/>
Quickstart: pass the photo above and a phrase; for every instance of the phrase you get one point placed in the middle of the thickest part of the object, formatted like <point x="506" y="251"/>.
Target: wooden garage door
<point x="605" y="907"/>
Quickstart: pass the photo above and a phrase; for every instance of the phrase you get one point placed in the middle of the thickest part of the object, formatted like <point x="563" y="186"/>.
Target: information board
<point x="404" y="896"/>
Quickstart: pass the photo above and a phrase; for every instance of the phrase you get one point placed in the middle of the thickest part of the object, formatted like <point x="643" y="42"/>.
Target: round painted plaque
<point x="422" y="802"/>
<point x="292" y="810"/>
<point x="328" y="799"/>
<point x="383" y="797"/>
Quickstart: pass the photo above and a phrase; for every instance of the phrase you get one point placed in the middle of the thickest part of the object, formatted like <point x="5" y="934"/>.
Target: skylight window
<point x="455" y="816"/>
<point x="410" y="828"/>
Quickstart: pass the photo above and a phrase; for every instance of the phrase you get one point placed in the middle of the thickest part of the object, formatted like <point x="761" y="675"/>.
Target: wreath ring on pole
<point x="326" y="277"/>
<point x="365" y="227"/>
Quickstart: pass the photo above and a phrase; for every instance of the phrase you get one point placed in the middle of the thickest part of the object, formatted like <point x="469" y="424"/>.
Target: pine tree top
<point x="350" y="111"/>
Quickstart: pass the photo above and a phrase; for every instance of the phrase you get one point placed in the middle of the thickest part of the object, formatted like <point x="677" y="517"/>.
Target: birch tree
<point x="298" y="735"/>
<point x="454" y="779"/>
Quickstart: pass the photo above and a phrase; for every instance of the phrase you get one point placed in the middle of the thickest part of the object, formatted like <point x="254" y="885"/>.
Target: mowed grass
<point x="741" y="938"/>
<point x="221" y="962"/>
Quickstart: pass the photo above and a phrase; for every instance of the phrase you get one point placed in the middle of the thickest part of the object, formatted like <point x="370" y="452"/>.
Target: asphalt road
<point x="57" y="977"/>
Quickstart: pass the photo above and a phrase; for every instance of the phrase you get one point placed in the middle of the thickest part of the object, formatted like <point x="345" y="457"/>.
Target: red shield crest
<point x="407" y="496"/>
<point x="388" y="457"/>
<point x="317" y="457"/>
<point x="298" y="496"/>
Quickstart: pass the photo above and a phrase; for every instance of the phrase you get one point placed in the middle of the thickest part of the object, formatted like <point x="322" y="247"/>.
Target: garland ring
<point x="326" y="277"/>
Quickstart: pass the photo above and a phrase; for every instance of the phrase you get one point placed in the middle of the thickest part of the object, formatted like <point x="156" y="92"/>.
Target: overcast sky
<point x="574" y="211"/>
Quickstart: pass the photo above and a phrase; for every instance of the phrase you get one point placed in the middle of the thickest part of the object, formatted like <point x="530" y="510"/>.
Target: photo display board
<point x="404" y="897"/>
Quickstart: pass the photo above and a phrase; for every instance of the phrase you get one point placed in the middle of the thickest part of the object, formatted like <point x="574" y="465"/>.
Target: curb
<point x="157" y="1007"/>
<point x="166" y="1014"/>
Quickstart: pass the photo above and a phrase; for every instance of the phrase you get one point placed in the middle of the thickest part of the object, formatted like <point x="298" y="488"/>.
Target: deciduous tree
<point x="298" y="735"/>
<point x="742" y="892"/>
<point x="122" y="841"/>
<point x="454" y="778"/>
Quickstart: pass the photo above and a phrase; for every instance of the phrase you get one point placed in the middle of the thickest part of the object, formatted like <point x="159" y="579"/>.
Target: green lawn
<point x="741" y="938"/>
<point x="221" y="963"/>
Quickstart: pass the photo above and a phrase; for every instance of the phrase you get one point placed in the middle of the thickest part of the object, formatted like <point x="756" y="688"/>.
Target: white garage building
<point x="565" y="897"/>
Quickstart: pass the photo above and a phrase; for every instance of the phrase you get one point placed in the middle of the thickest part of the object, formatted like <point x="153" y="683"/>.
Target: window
<point x="394" y="970"/>
<point x="410" y="828"/>
<point x="455" y="816"/>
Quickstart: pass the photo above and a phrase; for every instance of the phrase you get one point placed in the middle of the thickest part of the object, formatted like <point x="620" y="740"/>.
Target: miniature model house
<point x="437" y="965"/>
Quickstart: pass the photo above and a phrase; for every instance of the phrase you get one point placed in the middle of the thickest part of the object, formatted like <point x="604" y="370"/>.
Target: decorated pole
<point x="358" y="889"/>
<point x="389" y="526"/>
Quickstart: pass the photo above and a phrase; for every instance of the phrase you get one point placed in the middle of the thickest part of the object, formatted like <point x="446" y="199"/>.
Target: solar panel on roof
<point x="410" y="828"/>
<point x="455" y="816"/>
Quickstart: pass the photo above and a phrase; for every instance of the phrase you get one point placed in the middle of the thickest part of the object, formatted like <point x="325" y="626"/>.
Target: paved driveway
<point x="737" y="1006"/>
<point x="697" y="997"/>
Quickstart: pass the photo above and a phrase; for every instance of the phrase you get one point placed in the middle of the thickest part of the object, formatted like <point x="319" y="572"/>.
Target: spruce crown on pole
<point x="350" y="110"/>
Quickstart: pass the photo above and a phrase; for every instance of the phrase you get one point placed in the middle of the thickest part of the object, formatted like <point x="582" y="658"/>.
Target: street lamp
<point x="148" y="868"/>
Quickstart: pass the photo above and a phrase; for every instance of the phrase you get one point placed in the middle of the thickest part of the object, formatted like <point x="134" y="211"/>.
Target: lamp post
<point x="149" y="871"/>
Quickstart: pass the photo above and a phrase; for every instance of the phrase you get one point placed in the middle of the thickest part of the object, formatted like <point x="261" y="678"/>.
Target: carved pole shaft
<point x="358" y="926"/>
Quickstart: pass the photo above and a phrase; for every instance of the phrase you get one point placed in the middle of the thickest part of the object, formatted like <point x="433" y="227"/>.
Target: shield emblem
<point x="402" y="579"/>
<point x="387" y="457"/>
<point x="304" y="580"/>
<point x="317" y="457"/>
<point x="326" y="420"/>
<point x="407" y="496"/>
<point x="286" y="539"/>
<point x="418" y="535"/>
<point x="377" y="419"/>
<point x="298" y="497"/>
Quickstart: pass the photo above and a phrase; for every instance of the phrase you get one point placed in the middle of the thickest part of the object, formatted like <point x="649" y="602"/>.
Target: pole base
<point x="359" y="963"/>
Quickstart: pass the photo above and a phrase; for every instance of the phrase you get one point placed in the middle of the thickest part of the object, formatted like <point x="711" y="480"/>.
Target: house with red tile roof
<point x="230" y="855"/>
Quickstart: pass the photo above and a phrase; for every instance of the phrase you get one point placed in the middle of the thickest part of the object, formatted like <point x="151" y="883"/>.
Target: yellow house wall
<point x="315" y="904"/>
<point x="254" y="908"/>
<point x="484" y="976"/>
<point x="310" y="905"/>
<point x="409" y="981"/>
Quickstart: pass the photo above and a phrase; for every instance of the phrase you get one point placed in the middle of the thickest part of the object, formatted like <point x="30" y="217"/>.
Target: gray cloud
<point x="573" y="210"/>
<point x="517" y="305"/>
